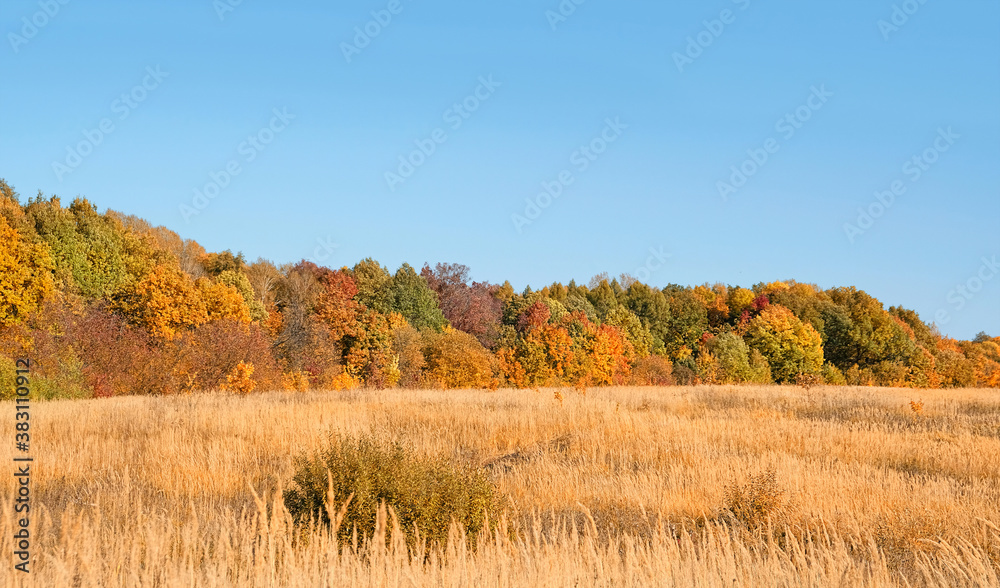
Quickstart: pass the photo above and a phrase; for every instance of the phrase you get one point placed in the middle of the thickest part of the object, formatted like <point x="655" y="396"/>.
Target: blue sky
<point x="674" y="98"/>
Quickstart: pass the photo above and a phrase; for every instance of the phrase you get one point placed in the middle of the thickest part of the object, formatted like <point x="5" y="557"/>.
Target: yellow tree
<point x="222" y="301"/>
<point x="25" y="275"/>
<point x="457" y="360"/>
<point x="790" y="346"/>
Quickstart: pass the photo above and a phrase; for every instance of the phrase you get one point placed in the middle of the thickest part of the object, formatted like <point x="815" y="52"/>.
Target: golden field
<point x="614" y="487"/>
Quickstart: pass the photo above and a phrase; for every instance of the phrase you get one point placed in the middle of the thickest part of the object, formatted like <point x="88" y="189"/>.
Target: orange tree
<point x="166" y="302"/>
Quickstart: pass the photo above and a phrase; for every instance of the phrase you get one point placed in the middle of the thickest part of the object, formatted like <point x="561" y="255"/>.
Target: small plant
<point x="807" y="381"/>
<point x="426" y="494"/>
<point x="297" y="381"/>
<point x="240" y="380"/>
<point x="917" y="407"/>
<point x="757" y="501"/>
<point x="558" y="396"/>
<point x="344" y="381"/>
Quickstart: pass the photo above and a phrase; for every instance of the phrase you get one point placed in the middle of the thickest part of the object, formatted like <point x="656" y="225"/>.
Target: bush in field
<point x="427" y="494"/>
<point x="240" y="380"/>
<point x="757" y="502"/>
<point x="652" y="370"/>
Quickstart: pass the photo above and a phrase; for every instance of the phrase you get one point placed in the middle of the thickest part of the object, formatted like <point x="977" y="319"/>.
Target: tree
<point x="457" y="360"/>
<point x="374" y="283"/>
<point x="165" y="303"/>
<point x="733" y="361"/>
<point x="603" y="298"/>
<point x="475" y="309"/>
<point x="94" y="254"/>
<point x="866" y="334"/>
<point x="790" y="346"/>
<point x="637" y="333"/>
<point x="411" y="297"/>
<point x="738" y="300"/>
<point x="222" y="301"/>
<point x="217" y="263"/>
<point x="240" y="282"/>
<point x="25" y="275"/>
<point x="688" y="321"/>
<point x="653" y="310"/>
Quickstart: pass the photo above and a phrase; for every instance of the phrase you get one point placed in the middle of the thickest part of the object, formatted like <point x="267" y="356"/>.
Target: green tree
<point x="374" y="284"/>
<point x="412" y="297"/>
<point x="790" y="346"/>
<point x="688" y="320"/>
<point x="733" y="358"/>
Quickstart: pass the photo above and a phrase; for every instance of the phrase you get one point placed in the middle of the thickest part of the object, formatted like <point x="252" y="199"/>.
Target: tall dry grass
<point x="680" y="486"/>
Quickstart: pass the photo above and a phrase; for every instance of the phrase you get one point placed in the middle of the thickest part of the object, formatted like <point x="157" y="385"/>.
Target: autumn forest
<point x="107" y="305"/>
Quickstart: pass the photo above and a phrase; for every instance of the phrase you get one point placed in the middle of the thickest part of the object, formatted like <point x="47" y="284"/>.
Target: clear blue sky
<point x="888" y="94"/>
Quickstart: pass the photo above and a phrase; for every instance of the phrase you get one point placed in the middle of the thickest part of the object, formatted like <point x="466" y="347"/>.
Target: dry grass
<point x="620" y="487"/>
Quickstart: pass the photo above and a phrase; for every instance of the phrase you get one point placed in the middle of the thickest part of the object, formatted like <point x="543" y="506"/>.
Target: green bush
<point x="426" y="494"/>
<point x="832" y="375"/>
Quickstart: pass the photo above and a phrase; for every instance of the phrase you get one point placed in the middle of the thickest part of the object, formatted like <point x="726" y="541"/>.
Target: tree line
<point x="106" y="304"/>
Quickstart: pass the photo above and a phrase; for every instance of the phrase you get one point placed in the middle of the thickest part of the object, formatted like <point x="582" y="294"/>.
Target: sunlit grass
<point x="619" y="486"/>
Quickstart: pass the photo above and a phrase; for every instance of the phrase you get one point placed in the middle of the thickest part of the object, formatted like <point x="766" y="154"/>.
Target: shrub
<point x="210" y="353"/>
<point x="8" y="378"/>
<point x="756" y="502"/>
<point x="426" y="493"/>
<point x="832" y="375"/>
<point x="297" y="381"/>
<point x="240" y="380"/>
<point x="652" y="370"/>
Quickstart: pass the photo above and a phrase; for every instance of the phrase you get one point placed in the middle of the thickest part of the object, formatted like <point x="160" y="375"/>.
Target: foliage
<point x="732" y="358"/>
<point x="25" y="275"/>
<point x="456" y="360"/>
<point x="240" y="380"/>
<point x="165" y="303"/>
<point x="121" y="307"/>
<point x="790" y="346"/>
<point x="411" y="297"/>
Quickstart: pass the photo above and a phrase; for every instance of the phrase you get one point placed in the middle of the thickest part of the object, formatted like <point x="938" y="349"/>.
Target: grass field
<point x="615" y="487"/>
